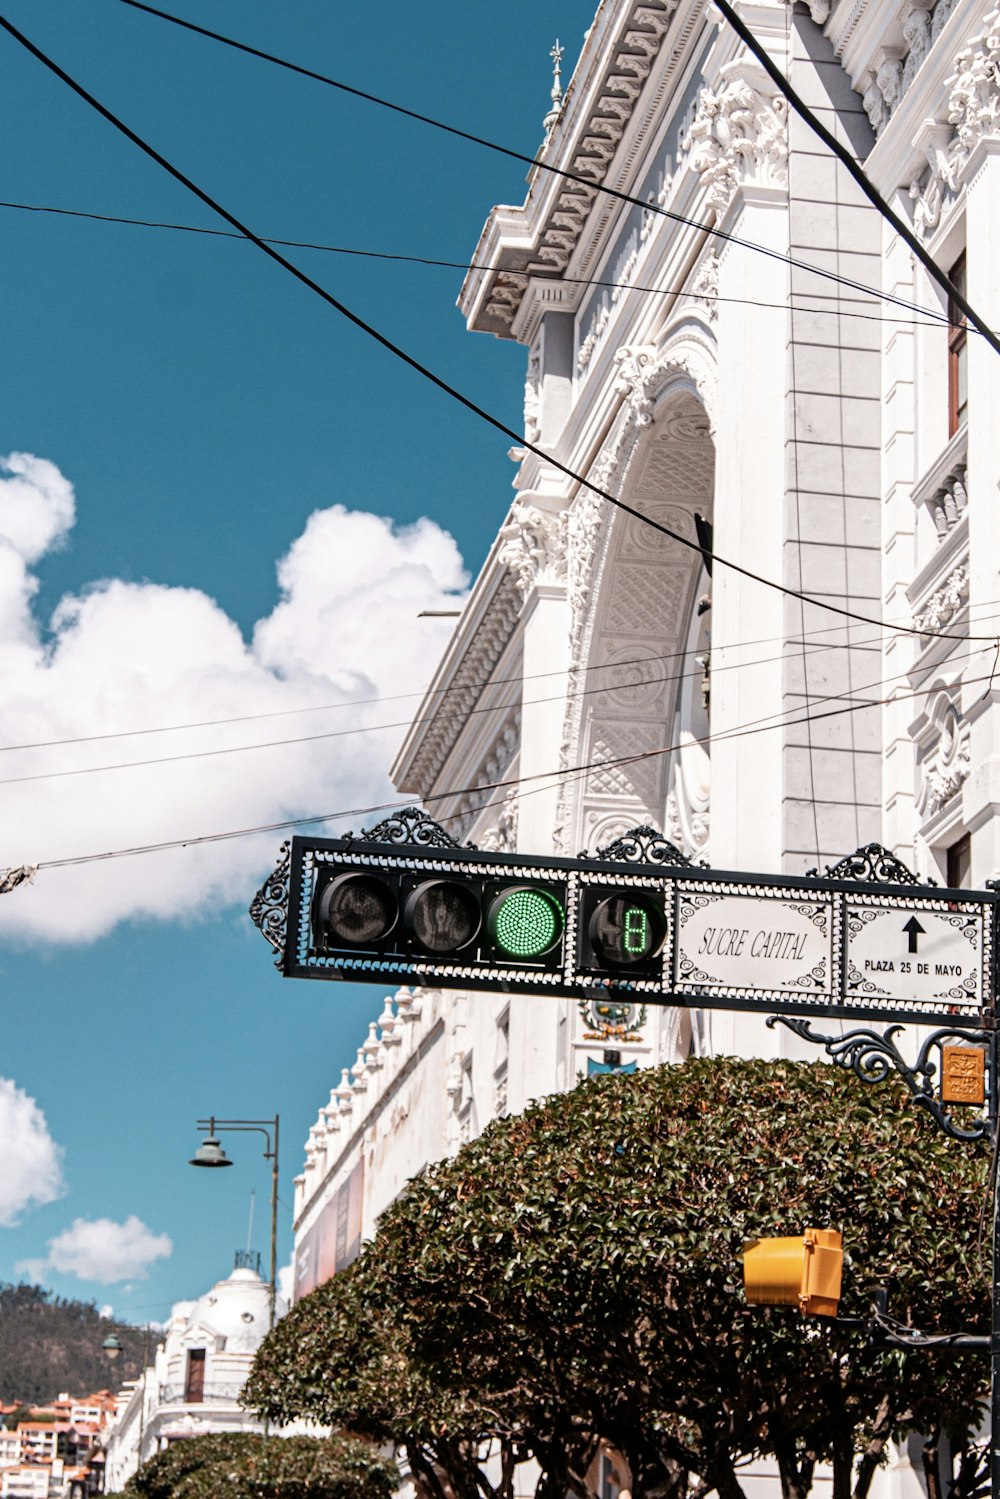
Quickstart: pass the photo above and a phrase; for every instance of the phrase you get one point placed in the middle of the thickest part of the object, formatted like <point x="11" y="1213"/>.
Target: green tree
<point x="574" y="1276"/>
<point x="242" y="1465"/>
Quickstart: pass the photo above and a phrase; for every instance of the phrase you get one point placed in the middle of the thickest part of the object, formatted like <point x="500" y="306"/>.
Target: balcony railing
<point x="212" y="1394"/>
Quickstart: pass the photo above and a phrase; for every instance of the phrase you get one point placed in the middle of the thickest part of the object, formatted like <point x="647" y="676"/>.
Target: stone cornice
<point x="488" y="622"/>
<point x="538" y="239"/>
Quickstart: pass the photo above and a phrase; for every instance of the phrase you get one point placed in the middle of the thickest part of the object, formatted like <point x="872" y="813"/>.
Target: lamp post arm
<point x="265" y="1127"/>
<point x="269" y="1129"/>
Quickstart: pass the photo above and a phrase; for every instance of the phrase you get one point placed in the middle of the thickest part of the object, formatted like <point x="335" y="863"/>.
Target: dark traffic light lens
<point x="442" y="915"/>
<point x="627" y="929"/>
<point x="356" y="909"/>
<point x="525" y="922"/>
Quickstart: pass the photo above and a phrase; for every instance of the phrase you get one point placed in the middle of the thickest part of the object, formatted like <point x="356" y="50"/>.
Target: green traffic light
<point x="526" y="922"/>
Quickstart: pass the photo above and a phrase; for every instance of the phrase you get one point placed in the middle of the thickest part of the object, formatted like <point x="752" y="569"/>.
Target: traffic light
<point x="621" y="930"/>
<point x="804" y="1271"/>
<point x="450" y="917"/>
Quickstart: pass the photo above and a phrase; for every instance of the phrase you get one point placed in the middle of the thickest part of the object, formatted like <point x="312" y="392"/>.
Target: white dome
<point x="237" y="1309"/>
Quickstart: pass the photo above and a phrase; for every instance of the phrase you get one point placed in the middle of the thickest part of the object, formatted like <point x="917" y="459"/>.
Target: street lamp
<point x="111" y="1348"/>
<point x="211" y="1153"/>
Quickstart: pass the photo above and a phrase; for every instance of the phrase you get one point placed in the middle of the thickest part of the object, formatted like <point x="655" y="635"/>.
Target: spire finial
<point x="557" y="94"/>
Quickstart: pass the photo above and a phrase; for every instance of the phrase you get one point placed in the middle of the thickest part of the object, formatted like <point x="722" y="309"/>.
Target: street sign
<point x="637" y="924"/>
<point x="927" y="952"/>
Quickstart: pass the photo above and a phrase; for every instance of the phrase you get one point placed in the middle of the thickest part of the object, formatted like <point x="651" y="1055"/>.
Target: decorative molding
<point x="687" y="363"/>
<point x="740" y="134"/>
<point x="945" y="755"/>
<point x="532" y="402"/>
<point x="945" y="603"/>
<point x="457" y="698"/>
<point x="884" y="86"/>
<point x="972" y="112"/>
<point x="590" y="155"/>
<point x="533" y="545"/>
<point x="705" y="284"/>
<point x="636" y="370"/>
<point x="502" y="837"/>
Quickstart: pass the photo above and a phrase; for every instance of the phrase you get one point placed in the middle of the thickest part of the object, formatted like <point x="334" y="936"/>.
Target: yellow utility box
<point x="804" y="1271"/>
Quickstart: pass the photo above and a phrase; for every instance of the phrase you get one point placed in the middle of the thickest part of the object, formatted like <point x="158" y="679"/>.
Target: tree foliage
<point x="50" y="1344"/>
<point x="242" y="1465"/>
<point x="573" y="1277"/>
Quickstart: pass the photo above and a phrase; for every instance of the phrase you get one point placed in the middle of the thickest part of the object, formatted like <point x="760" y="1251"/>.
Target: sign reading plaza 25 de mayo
<point x="781" y="943"/>
<point x="921" y="953"/>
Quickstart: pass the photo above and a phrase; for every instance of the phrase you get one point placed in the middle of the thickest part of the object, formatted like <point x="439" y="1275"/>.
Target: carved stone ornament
<point x="269" y="907"/>
<point x="408" y="825"/>
<point x="871" y="865"/>
<point x="532" y="405"/>
<point x="502" y="838"/>
<point x="636" y="366"/>
<point x="533" y="545"/>
<point x="946" y="765"/>
<point x="740" y="135"/>
<point x="643" y="845"/>
<point x="972" y="112"/>
<point x="945" y="603"/>
<point x="705" y="286"/>
<point x="895" y="68"/>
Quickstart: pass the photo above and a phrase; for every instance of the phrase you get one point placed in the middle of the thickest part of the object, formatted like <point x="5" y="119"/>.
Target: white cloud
<point x="98" y="1249"/>
<point x="30" y="1161"/>
<point x="37" y="508"/>
<point x="126" y="656"/>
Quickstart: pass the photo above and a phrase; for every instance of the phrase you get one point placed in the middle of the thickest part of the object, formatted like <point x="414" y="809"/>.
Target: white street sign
<point x="915" y="952"/>
<point x="775" y="943"/>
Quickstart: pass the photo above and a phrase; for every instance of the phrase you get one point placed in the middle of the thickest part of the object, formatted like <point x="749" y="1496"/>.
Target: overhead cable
<point x="848" y="162"/>
<point x="463" y="715"/>
<point x="552" y="777"/>
<point x="540" y="163"/>
<point x="438" y="380"/>
<point x="932" y="317"/>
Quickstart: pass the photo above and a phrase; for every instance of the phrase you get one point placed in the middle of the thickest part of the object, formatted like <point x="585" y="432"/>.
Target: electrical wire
<point x="855" y="171"/>
<point x="837" y="310"/>
<point x="532" y="161"/>
<point x="428" y="374"/>
<point x="463" y="715"/>
<point x="551" y="777"/>
<point x="480" y="685"/>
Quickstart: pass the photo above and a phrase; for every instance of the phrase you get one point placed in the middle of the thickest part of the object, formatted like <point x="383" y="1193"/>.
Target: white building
<point x="838" y="444"/>
<point x="192" y="1386"/>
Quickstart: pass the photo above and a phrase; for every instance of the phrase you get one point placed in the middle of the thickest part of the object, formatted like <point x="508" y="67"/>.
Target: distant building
<point x="57" y="1451"/>
<point x="192" y="1386"/>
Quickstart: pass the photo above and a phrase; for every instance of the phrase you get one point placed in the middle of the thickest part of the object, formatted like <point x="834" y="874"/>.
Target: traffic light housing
<point x="804" y="1271"/>
<point x="445" y="916"/>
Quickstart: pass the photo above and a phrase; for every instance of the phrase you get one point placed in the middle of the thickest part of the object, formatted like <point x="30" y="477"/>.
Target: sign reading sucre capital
<point x="407" y="906"/>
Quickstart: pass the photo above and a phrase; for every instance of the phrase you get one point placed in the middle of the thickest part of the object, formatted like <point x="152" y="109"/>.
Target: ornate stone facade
<point x="740" y="134"/>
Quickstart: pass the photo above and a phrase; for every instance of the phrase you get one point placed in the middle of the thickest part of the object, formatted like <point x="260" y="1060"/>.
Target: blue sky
<point x="193" y="418"/>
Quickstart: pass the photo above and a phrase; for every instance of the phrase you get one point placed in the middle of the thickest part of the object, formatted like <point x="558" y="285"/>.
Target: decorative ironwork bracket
<point x="269" y="907"/>
<point x="408" y="825"/>
<point x="872" y="1057"/>
<point x="870" y="865"/>
<point x="643" y="845"/>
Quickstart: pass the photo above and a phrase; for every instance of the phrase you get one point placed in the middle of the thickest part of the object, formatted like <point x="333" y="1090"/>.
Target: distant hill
<point x="50" y="1344"/>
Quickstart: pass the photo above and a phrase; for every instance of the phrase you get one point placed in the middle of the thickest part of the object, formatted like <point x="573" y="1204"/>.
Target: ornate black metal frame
<point x="872" y="1057"/>
<point x="838" y="906"/>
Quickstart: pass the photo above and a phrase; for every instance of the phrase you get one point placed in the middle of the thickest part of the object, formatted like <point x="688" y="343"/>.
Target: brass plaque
<point x="963" y="1074"/>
